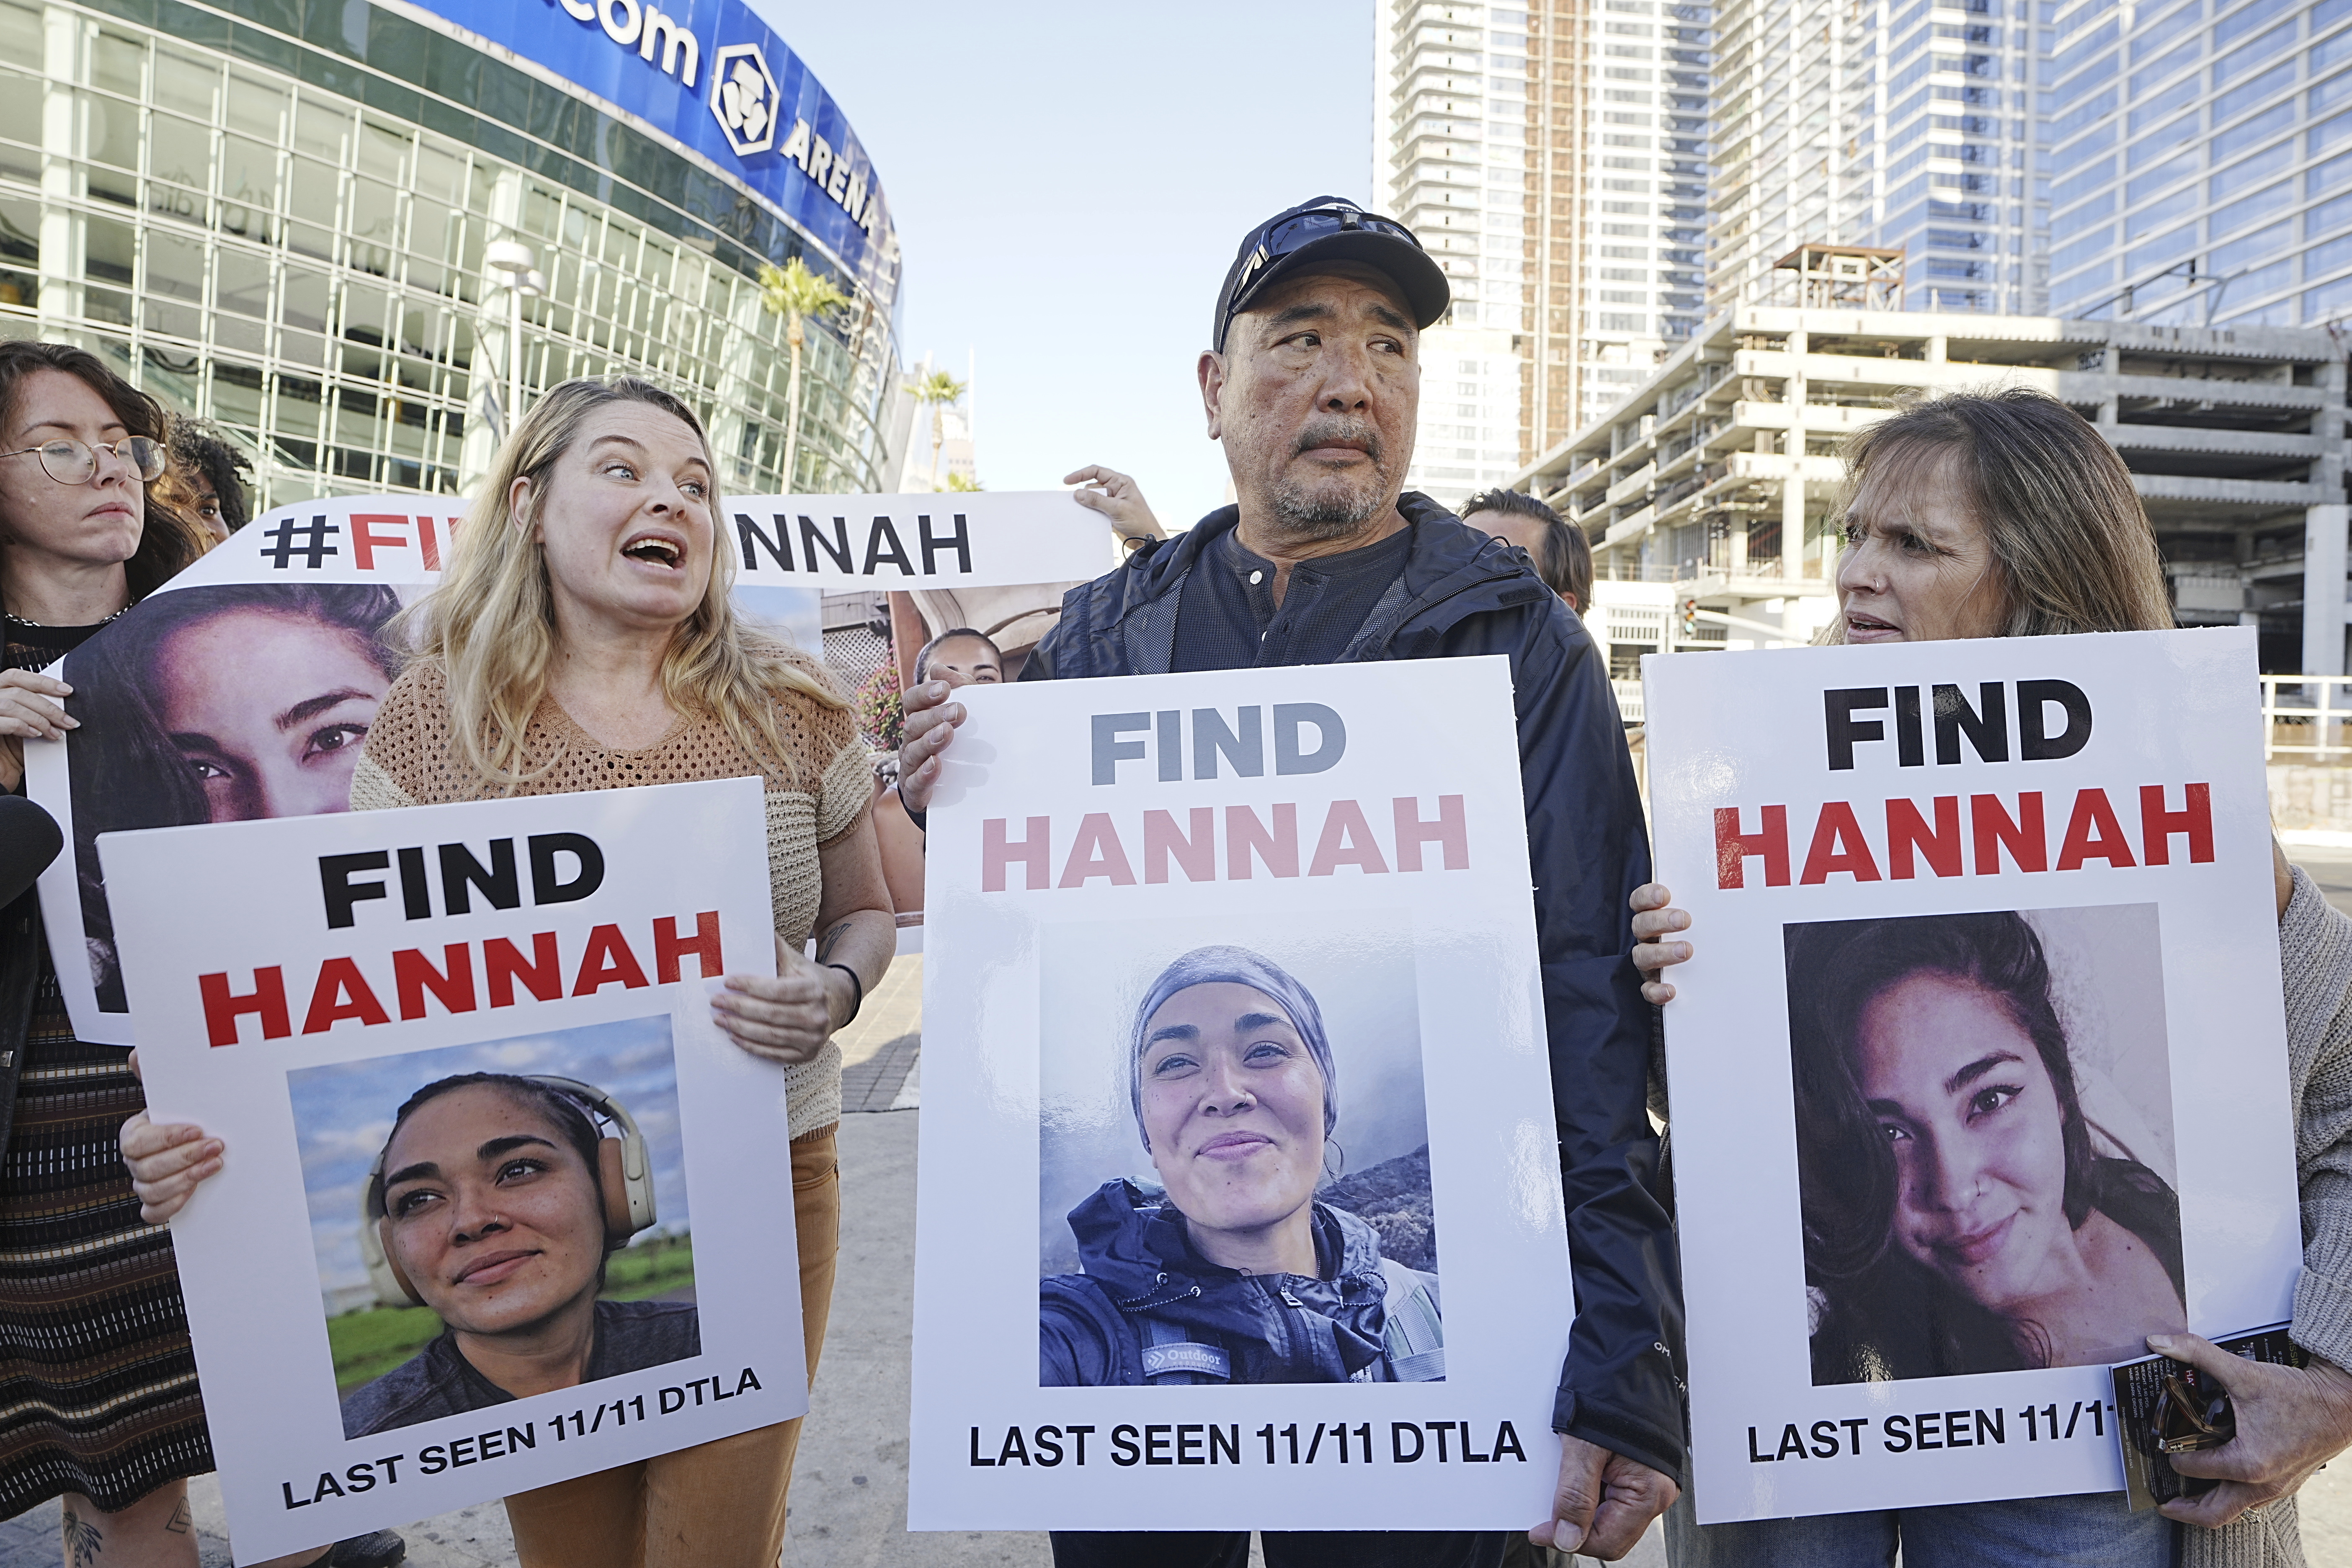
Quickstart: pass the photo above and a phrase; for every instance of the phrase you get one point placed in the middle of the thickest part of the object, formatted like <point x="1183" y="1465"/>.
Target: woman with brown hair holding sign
<point x="97" y="1382"/>
<point x="584" y="639"/>
<point x="2006" y="514"/>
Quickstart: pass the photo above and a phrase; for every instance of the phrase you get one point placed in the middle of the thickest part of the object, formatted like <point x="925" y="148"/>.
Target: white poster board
<point x="937" y="540"/>
<point x="244" y="687"/>
<point x="1339" y="852"/>
<point x="346" y="962"/>
<point x="1985" y="995"/>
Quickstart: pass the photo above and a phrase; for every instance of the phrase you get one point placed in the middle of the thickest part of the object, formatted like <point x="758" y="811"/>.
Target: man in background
<point x="1563" y="556"/>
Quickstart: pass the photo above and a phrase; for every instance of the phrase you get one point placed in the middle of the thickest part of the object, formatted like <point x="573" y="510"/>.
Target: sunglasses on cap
<point x="1332" y="230"/>
<point x="1294" y="234"/>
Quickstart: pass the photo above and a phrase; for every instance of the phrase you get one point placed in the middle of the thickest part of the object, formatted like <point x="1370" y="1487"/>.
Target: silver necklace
<point x="17" y="620"/>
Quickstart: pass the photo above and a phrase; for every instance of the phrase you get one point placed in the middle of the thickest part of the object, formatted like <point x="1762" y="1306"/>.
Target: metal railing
<point x="2307" y="718"/>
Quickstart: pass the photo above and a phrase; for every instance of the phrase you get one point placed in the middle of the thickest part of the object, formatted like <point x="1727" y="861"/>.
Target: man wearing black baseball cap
<point x="1312" y="385"/>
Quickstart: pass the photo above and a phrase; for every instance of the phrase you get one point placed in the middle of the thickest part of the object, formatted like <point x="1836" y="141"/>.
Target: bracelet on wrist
<point x="856" y="995"/>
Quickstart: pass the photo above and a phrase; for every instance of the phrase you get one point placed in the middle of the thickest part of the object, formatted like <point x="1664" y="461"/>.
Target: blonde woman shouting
<point x="584" y="639"/>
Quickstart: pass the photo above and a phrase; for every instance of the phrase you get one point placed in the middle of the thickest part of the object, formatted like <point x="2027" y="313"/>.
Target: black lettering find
<point x="1980" y="834"/>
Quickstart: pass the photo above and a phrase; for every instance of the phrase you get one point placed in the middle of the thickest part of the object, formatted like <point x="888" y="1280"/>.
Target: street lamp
<point x="516" y="265"/>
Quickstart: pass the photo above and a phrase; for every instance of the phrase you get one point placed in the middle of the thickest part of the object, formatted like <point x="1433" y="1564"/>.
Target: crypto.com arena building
<point x="319" y="221"/>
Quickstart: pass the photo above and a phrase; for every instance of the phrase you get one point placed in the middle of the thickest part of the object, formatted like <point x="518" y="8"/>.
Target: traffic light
<point x="1690" y="617"/>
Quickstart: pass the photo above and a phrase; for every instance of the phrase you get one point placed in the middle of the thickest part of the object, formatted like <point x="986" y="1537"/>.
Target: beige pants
<point x="722" y="1502"/>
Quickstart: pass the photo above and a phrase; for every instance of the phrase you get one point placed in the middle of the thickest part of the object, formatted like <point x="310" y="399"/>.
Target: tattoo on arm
<point x="824" y="944"/>
<point x="181" y="1520"/>
<point x="83" y="1539"/>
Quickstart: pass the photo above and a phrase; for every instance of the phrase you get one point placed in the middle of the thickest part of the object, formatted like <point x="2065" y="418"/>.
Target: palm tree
<point x="794" y="293"/>
<point x="941" y="391"/>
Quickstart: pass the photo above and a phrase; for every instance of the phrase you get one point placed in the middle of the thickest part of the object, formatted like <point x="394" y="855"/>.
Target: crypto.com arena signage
<point x="713" y="75"/>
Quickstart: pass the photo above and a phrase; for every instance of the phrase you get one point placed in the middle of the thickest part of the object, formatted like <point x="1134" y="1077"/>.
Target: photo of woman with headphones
<point x="497" y="1202"/>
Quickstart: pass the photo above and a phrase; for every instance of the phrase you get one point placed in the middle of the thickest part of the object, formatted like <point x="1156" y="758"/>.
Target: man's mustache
<point x="1332" y="432"/>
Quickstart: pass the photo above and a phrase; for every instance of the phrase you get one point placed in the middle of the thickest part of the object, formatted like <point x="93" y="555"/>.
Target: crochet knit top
<point x="813" y="796"/>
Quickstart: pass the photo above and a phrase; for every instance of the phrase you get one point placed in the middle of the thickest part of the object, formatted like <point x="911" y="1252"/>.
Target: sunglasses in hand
<point x="2191" y="1415"/>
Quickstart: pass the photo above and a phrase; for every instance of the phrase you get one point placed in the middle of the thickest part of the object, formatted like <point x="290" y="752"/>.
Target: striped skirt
<point x="98" y="1383"/>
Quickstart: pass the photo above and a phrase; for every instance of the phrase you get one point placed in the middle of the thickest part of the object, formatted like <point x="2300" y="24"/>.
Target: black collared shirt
<point x="1226" y="617"/>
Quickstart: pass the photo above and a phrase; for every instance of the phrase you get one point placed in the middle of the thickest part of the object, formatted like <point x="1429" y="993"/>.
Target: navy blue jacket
<point x="1215" y="1325"/>
<point x="1462" y="593"/>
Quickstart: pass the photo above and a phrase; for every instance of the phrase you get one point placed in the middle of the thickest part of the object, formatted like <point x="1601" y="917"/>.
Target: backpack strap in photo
<point x="1415" y="1333"/>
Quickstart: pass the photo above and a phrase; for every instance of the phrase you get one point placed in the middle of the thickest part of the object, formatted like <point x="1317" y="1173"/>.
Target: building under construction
<point x="1709" y="494"/>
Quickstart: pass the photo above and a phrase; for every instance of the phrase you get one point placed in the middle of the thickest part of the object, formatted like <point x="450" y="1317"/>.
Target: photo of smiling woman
<point x="1963" y="1211"/>
<point x="497" y="1203"/>
<point x="1233" y="1270"/>
<point x="219" y="704"/>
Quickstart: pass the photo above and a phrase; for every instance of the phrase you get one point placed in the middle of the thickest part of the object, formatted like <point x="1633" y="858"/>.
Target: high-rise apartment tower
<point x="1552" y="158"/>
<point x="1893" y="123"/>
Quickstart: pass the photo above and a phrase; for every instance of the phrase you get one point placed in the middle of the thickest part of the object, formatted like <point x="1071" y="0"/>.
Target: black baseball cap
<point x="1331" y="228"/>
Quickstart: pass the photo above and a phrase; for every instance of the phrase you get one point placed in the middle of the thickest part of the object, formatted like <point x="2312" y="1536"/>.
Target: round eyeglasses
<point x="75" y="463"/>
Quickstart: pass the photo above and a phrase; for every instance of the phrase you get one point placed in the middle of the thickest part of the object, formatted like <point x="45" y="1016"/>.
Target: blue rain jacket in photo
<point x="1462" y="593"/>
<point x="1149" y="1310"/>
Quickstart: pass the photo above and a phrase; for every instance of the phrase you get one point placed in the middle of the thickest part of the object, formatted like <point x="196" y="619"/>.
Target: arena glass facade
<point x="275" y="214"/>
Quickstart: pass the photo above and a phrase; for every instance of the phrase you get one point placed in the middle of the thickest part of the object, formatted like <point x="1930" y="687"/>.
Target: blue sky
<point x="343" y="1114"/>
<point x="1070" y="182"/>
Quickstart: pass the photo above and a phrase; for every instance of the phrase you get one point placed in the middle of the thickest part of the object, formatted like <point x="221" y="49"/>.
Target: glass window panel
<point x="2171" y="139"/>
<point x="241" y="282"/>
<point x="175" y="265"/>
<point x="2246" y="18"/>
<point x="304" y="301"/>
<point x="2322" y="303"/>
<point x="2272" y="84"/>
<point x="113" y="132"/>
<point x="119" y="64"/>
<point x="373" y="217"/>
<point x="2333" y="256"/>
<point x="2227" y="258"/>
<point x="20" y="108"/>
<point x="367" y="311"/>
<point x="180" y="151"/>
<point x="248" y="173"/>
<point x="2262" y="166"/>
<point x="2155" y="214"/>
<point x="186" y="84"/>
<point x="2253" y="132"/>
<point x="111" y="247"/>
<point x="20" y="230"/>
<point x="2262" y="205"/>
<point x="319" y="128"/>
<point x="20" y="32"/>
<point x="384" y="151"/>
<point x="235" y="334"/>
<point x="255" y="106"/>
<point x="314" y="241"/>
<point x="172" y="320"/>
<point x="2164" y="175"/>
<point x="2327" y="216"/>
<point x="2156" y="110"/>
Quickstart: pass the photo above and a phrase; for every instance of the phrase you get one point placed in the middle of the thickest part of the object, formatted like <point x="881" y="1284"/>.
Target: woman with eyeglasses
<point x="99" y="1403"/>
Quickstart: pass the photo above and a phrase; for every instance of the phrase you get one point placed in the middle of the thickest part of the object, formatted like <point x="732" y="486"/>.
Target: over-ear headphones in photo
<point x="623" y="1174"/>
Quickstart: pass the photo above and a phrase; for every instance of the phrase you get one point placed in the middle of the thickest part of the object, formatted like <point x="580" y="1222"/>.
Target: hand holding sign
<point x="931" y="721"/>
<point x="787" y="1016"/>
<point x="167" y="1161"/>
<point x="1654" y="919"/>
<point x="2290" y="1421"/>
<point x="1604" y="1503"/>
<point x="1119" y="500"/>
